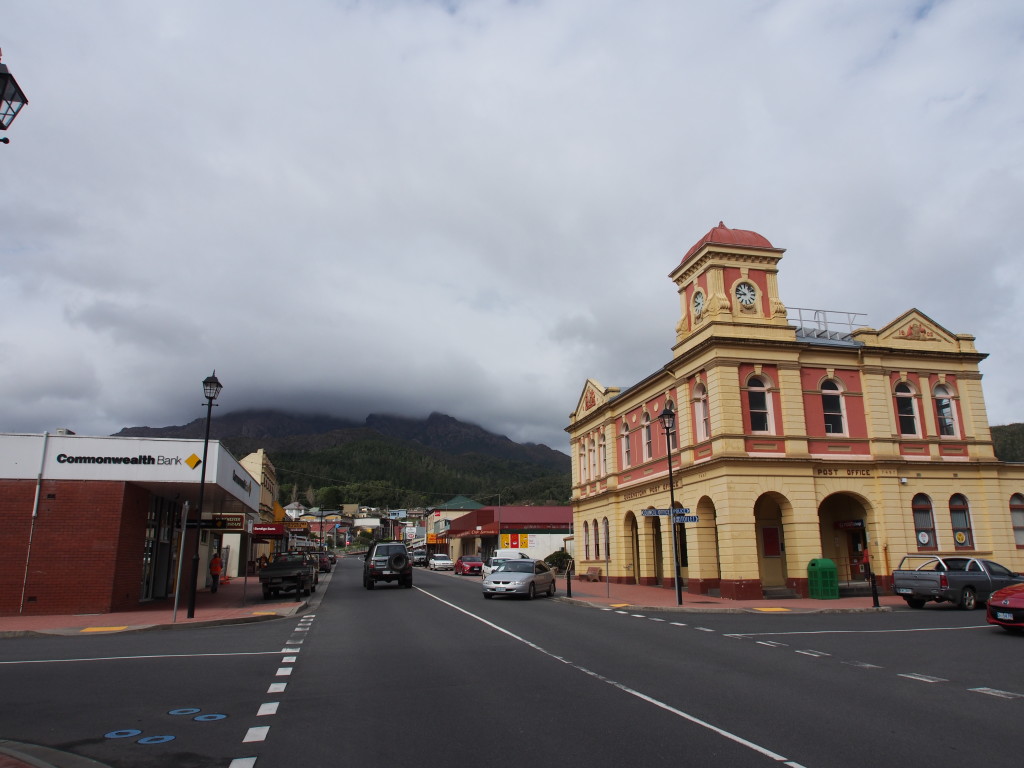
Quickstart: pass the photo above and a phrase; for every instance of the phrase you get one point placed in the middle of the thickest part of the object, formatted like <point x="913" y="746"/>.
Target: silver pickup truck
<point x="965" y="581"/>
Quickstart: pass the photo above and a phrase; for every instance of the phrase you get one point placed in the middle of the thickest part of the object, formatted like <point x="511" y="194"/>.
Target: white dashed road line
<point x="998" y="693"/>
<point x="923" y="678"/>
<point x="257" y="733"/>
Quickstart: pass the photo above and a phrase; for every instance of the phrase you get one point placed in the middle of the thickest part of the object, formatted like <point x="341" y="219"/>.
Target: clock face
<point x="698" y="303"/>
<point x="746" y="294"/>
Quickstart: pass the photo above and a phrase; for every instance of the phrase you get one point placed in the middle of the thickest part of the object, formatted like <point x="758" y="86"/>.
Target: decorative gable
<point x="594" y="395"/>
<point x="914" y="329"/>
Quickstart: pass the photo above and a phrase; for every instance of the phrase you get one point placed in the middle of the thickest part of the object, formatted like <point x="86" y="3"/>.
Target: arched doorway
<point x="771" y="541"/>
<point x="633" y="553"/>
<point x="843" y="523"/>
<point x="658" y="549"/>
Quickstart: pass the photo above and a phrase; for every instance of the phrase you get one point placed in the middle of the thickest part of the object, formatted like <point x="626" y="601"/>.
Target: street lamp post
<point x="668" y="424"/>
<point x="211" y="388"/>
<point x="12" y="99"/>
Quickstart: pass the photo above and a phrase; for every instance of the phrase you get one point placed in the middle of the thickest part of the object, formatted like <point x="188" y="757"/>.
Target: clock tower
<point x="727" y="282"/>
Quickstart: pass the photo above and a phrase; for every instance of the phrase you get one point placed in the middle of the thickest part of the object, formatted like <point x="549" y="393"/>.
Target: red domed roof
<point x="722" y="235"/>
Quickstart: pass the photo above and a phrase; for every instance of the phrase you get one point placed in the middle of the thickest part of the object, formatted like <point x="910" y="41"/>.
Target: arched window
<point x="945" y="412"/>
<point x="701" y="413"/>
<point x="1017" y="518"/>
<point x="597" y="540"/>
<point x="924" y="522"/>
<point x="960" y="517"/>
<point x="586" y="540"/>
<point x="583" y="461"/>
<point x="648" y="446"/>
<point x="607" y="540"/>
<point x="832" y="408"/>
<point x="758" y="399"/>
<point x="592" y="455"/>
<point x="602" y="456"/>
<point x="627" y="457"/>
<point x="906" y="409"/>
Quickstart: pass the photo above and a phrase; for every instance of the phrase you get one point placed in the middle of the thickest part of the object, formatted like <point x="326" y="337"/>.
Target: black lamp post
<point x="211" y="388"/>
<point x="12" y="99"/>
<point x="668" y="424"/>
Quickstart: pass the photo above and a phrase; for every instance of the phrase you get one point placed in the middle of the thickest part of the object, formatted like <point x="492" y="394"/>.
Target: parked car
<point x="469" y="565"/>
<point x="289" y="572"/>
<point x="332" y="557"/>
<point x="387" y="561"/>
<point x="1006" y="608"/>
<point x="520" y="577"/>
<point x="419" y="557"/>
<point x="440" y="562"/>
<point x="324" y="562"/>
<point x="965" y="581"/>
<point x="499" y="556"/>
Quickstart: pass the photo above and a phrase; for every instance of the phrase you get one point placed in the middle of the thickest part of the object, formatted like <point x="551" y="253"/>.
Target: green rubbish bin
<point x="822" y="579"/>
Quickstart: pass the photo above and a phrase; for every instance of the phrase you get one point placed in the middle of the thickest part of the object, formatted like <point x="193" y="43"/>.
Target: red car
<point x="469" y="565"/>
<point x="1006" y="608"/>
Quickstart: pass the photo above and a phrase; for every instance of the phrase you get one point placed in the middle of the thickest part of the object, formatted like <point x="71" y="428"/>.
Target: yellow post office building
<point x="793" y="435"/>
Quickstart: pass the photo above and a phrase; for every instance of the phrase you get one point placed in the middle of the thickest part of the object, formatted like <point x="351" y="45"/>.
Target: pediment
<point x="915" y="329"/>
<point x="593" y="396"/>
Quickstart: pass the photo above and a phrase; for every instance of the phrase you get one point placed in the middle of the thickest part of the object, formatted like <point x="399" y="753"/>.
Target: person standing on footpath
<point x="216" y="566"/>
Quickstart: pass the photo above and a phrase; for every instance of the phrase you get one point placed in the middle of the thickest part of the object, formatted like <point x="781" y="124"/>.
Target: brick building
<point x="94" y="524"/>
<point x="799" y="434"/>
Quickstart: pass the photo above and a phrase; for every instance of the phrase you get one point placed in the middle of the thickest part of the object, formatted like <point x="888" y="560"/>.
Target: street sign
<point x="686" y="519"/>
<point x="664" y="512"/>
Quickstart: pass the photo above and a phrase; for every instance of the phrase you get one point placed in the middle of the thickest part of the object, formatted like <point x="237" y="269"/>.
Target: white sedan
<point x="440" y="562"/>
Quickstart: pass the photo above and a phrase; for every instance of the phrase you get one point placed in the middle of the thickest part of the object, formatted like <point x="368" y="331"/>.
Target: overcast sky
<point x="407" y="206"/>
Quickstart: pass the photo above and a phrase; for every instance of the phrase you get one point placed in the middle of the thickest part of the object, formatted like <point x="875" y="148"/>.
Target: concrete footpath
<point x="603" y="594"/>
<point x="235" y="602"/>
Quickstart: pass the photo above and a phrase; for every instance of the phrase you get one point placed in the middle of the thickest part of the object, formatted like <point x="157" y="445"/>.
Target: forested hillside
<point x="387" y="461"/>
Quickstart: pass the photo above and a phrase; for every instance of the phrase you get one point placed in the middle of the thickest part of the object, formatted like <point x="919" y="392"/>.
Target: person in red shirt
<point x="216" y="566"/>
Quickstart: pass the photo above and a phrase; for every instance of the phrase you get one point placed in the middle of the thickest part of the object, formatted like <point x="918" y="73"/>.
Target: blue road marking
<point x="121" y="734"/>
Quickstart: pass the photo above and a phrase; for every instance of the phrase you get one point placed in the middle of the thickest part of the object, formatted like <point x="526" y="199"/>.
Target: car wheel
<point x="532" y="592"/>
<point x="1011" y="630"/>
<point x="968" y="599"/>
<point x="266" y="594"/>
<point x="915" y="602"/>
<point x="313" y="588"/>
<point x="551" y="589"/>
<point x="368" y="583"/>
<point x="487" y="596"/>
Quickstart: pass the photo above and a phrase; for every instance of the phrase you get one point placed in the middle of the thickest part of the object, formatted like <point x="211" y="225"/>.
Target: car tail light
<point x="943" y="582"/>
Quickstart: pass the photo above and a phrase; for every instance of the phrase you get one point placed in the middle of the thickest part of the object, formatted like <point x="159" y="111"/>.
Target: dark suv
<point x="387" y="561"/>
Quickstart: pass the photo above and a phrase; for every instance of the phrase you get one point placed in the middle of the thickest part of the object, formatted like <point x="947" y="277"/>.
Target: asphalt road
<point x="437" y="676"/>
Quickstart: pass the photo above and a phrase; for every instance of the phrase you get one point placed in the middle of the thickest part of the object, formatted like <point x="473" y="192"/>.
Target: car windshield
<point x="471" y="560"/>
<point x="513" y="566"/>
<point x="441" y="557"/>
<point x="288" y="557"/>
<point x="389" y="549"/>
